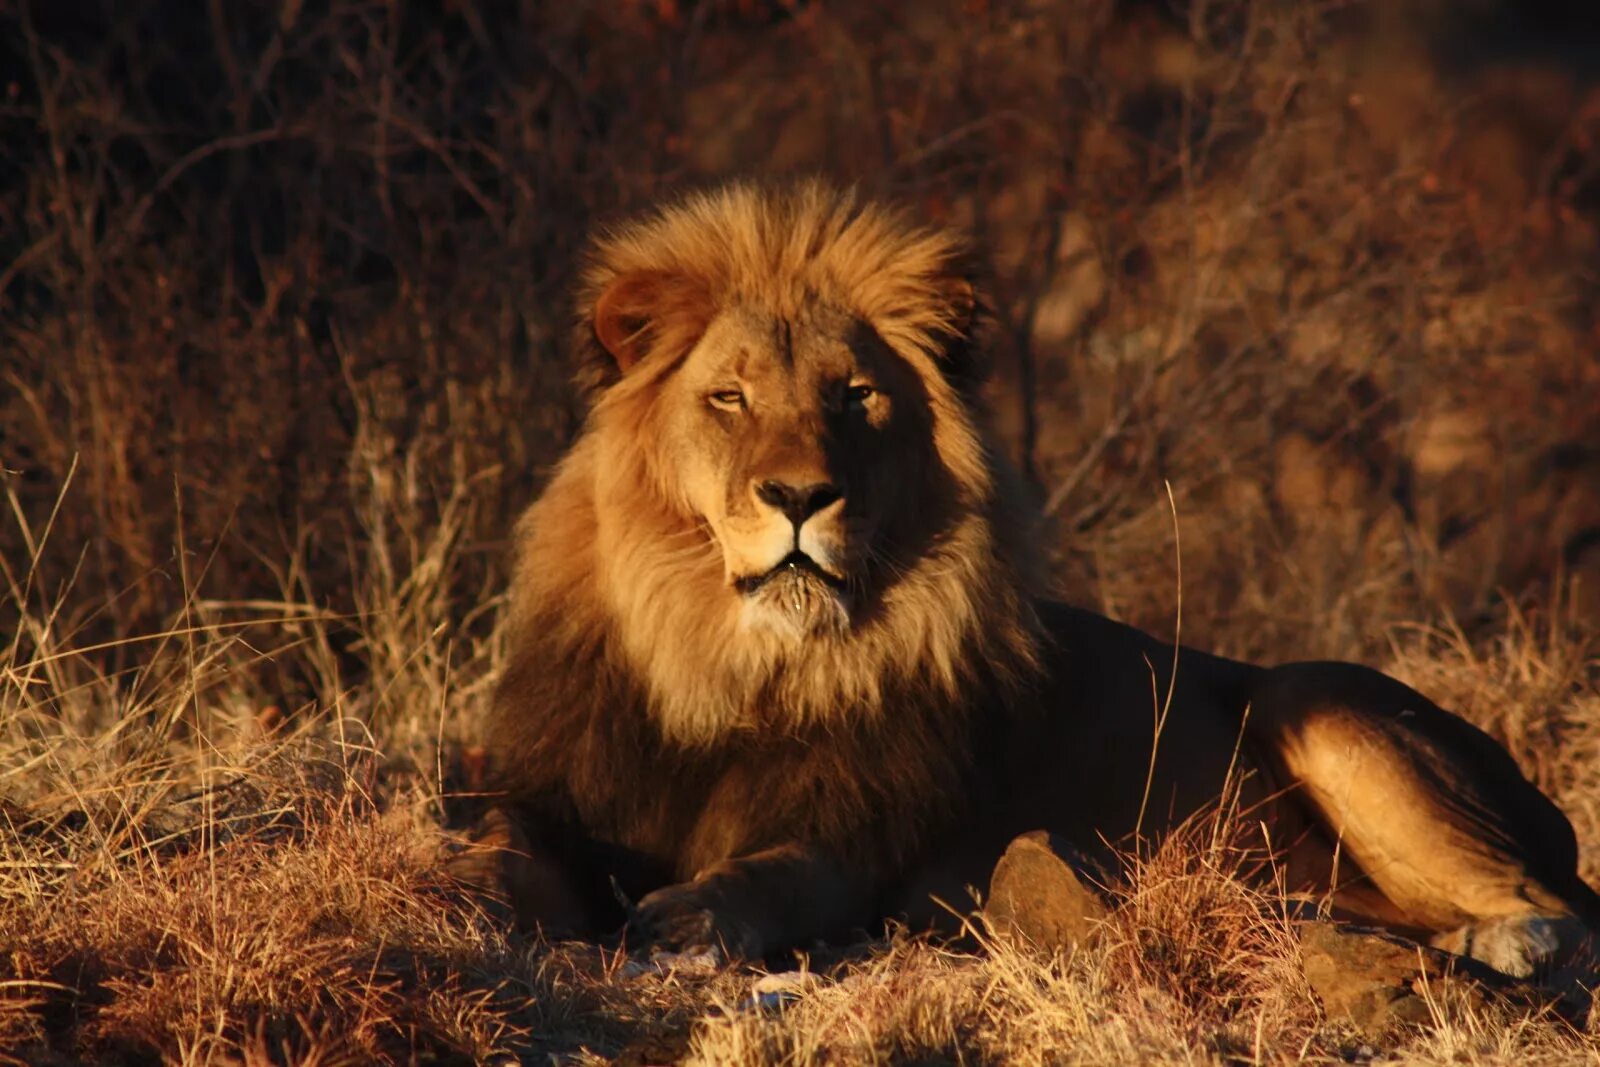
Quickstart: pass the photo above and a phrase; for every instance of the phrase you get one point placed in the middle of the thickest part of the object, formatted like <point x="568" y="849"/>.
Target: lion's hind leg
<point x="1429" y="814"/>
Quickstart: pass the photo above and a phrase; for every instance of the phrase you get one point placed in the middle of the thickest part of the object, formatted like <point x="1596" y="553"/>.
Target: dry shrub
<point x="1333" y="292"/>
<point x="1200" y="928"/>
<point x="332" y="939"/>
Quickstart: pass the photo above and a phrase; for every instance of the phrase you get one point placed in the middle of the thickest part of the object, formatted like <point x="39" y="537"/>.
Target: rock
<point x="663" y="1045"/>
<point x="671" y="964"/>
<point x="1041" y="890"/>
<point x="773" y="992"/>
<point x="1379" y="980"/>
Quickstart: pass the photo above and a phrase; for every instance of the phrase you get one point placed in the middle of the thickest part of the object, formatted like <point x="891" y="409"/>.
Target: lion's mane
<point x="633" y="704"/>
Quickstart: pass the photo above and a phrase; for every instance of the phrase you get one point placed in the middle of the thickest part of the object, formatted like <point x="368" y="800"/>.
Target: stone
<point x="1377" y="980"/>
<point x="1043" y="891"/>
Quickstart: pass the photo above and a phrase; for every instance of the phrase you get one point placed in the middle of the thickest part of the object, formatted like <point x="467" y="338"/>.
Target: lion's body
<point x="779" y="666"/>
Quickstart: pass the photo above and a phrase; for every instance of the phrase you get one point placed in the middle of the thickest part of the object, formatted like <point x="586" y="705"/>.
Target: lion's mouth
<point x="795" y="565"/>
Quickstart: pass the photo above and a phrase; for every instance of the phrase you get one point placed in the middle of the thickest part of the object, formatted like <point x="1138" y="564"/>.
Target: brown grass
<point x="282" y="309"/>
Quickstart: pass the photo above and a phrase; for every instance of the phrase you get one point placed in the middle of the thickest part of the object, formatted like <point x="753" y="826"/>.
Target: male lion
<point x="780" y="666"/>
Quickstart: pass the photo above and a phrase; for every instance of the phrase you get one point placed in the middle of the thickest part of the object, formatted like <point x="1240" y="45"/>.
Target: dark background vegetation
<point x="1327" y="268"/>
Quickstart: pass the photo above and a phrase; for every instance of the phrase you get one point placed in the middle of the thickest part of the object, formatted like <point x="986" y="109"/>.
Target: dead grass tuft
<point x="335" y="941"/>
<point x="1201" y="930"/>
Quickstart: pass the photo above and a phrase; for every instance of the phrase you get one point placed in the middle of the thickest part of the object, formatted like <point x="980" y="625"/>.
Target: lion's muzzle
<point x="797" y="503"/>
<point x="797" y="597"/>
<point x="795" y="566"/>
<point x="804" y="591"/>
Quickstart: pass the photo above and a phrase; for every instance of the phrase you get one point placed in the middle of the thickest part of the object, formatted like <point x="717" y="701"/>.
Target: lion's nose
<point x="798" y="502"/>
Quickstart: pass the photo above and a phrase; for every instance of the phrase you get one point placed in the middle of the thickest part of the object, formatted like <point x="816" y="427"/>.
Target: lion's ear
<point x="623" y="314"/>
<point x="646" y="312"/>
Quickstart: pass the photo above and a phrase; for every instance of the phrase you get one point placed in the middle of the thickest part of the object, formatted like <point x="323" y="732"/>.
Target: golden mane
<point x="612" y="554"/>
<point x="776" y="247"/>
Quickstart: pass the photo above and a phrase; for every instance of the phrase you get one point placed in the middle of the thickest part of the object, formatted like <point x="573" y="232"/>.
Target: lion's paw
<point x="678" y="920"/>
<point x="1521" y="946"/>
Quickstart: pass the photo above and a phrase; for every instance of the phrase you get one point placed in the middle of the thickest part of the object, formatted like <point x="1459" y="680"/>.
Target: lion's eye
<point x="858" y="393"/>
<point x="726" y="400"/>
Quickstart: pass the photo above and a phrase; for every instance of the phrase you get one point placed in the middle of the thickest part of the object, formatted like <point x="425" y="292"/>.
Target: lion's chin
<point x="796" y="603"/>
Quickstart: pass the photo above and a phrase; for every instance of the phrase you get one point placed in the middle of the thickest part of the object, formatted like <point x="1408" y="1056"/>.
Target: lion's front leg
<point x="749" y="906"/>
<point x="502" y="862"/>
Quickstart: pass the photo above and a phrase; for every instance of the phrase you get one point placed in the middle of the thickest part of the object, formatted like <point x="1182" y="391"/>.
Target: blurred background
<point x="284" y="292"/>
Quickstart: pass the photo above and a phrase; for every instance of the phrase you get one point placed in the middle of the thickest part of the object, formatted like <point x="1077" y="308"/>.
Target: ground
<point x="282" y="331"/>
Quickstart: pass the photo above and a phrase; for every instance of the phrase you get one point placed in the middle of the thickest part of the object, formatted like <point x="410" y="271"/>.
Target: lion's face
<point x="799" y="441"/>
<point x="784" y="507"/>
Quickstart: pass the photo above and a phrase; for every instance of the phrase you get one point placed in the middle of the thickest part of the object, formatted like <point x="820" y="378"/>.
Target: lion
<point x="782" y="662"/>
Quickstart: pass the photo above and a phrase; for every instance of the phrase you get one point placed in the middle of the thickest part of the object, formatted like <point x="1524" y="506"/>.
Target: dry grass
<point x="282" y="301"/>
